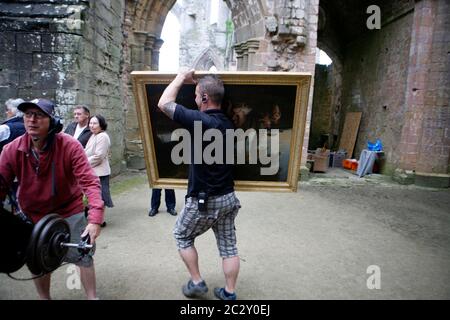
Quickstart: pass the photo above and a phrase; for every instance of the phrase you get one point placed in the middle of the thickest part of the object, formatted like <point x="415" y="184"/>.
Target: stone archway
<point x="326" y="104"/>
<point x="270" y="35"/>
<point x="143" y="23"/>
<point x="326" y="108"/>
<point x="82" y="52"/>
<point x="208" y="59"/>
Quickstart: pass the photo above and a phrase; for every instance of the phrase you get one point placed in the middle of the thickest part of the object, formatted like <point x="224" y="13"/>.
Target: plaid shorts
<point x="220" y="215"/>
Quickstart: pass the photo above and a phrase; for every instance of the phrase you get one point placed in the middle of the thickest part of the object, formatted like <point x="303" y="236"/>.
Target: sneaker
<point x="152" y="212"/>
<point x="192" y="290"/>
<point x="172" y="212"/>
<point x="221" y="294"/>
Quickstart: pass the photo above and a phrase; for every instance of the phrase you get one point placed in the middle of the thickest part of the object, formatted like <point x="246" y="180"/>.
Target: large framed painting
<point x="268" y="110"/>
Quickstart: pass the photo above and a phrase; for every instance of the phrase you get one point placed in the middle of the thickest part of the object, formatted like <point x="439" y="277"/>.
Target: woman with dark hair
<point x="97" y="150"/>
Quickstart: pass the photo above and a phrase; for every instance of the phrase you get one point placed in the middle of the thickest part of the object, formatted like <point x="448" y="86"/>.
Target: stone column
<point x="244" y="48"/>
<point x="253" y="46"/>
<point x="425" y="140"/>
<point x="148" y="51"/>
<point x="155" y="53"/>
<point x="137" y="50"/>
<point x="239" y="56"/>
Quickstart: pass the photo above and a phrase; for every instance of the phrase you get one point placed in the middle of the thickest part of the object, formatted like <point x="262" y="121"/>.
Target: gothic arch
<point x="143" y="23"/>
<point x="149" y="15"/>
<point x="207" y="59"/>
<point x="144" y="20"/>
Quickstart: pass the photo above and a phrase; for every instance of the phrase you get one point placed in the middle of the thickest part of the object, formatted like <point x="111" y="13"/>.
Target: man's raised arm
<point x="167" y="101"/>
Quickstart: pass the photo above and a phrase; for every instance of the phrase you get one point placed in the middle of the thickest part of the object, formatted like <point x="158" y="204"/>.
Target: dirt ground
<point x="323" y="242"/>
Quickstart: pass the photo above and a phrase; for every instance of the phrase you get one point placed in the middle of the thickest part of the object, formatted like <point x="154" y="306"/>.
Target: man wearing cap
<point x="54" y="173"/>
<point x="79" y="129"/>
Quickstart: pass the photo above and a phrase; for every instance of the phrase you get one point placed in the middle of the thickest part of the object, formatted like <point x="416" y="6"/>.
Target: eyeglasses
<point x="37" y="114"/>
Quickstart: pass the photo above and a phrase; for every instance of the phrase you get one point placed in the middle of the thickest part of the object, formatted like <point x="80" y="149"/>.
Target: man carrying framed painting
<point x="210" y="201"/>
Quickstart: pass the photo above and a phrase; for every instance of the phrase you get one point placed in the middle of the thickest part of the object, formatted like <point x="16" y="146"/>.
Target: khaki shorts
<point x="77" y="224"/>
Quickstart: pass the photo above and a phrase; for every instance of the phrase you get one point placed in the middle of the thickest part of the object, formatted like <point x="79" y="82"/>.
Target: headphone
<point x="204" y="98"/>
<point x="55" y="125"/>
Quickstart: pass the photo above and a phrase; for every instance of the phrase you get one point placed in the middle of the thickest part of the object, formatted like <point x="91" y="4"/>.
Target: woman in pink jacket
<point x="97" y="150"/>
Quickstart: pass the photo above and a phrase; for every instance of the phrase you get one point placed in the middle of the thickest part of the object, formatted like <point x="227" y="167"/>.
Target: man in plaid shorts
<point x="210" y="200"/>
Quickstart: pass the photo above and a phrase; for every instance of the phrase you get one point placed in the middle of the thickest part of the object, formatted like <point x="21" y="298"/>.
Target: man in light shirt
<point x="79" y="129"/>
<point x="13" y="126"/>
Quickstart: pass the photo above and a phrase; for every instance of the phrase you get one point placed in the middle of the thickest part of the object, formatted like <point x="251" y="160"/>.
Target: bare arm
<point x="167" y="101"/>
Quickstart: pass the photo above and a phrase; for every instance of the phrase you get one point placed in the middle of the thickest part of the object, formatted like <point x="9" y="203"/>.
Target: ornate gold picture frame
<point x="271" y="102"/>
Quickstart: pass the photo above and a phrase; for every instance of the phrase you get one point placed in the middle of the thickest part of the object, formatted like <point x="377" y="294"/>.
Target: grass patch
<point x="124" y="183"/>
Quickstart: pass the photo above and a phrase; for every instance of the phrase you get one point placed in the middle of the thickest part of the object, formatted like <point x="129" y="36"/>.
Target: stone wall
<point x="374" y="82"/>
<point x="134" y="154"/>
<point x="248" y="18"/>
<point x="66" y="51"/>
<point x="82" y="51"/>
<point x="40" y="43"/>
<point x="425" y="139"/>
<point x="143" y="23"/>
<point x="321" y="118"/>
<point x="398" y="77"/>
<point x="101" y="64"/>
<point x="204" y="44"/>
<point x="290" y="45"/>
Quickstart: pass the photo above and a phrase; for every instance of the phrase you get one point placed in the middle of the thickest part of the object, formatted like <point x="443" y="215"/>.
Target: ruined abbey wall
<point x="82" y="52"/>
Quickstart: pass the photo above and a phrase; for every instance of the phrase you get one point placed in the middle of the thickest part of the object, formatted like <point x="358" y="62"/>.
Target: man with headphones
<point x="210" y="201"/>
<point x="53" y="174"/>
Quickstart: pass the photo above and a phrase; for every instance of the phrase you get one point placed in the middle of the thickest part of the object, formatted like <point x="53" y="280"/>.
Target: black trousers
<point x="156" y="199"/>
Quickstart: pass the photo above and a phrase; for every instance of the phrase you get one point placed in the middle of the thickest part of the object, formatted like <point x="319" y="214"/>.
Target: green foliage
<point x="229" y="27"/>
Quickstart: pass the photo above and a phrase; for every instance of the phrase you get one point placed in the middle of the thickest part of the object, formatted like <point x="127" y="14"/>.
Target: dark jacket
<point x="16" y="129"/>
<point x="84" y="136"/>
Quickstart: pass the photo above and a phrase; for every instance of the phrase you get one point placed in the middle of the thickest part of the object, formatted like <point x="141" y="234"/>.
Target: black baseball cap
<point x="47" y="106"/>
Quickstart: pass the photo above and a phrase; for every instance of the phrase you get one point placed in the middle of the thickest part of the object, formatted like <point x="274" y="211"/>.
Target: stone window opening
<point x="170" y="50"/>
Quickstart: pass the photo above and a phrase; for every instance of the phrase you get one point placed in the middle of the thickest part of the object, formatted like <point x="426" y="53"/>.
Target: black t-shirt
<point x="214" y="179"/>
